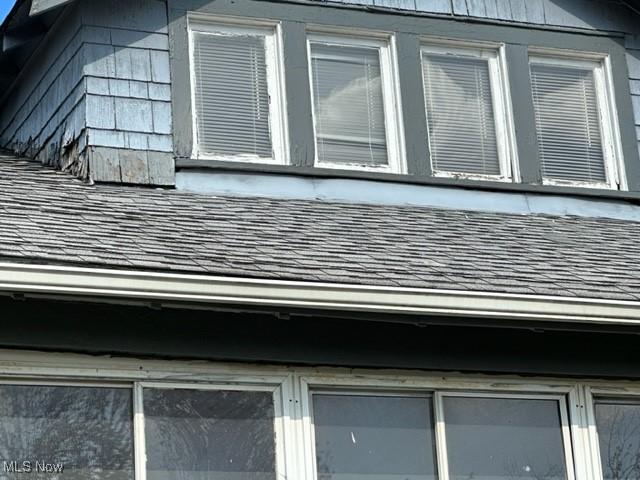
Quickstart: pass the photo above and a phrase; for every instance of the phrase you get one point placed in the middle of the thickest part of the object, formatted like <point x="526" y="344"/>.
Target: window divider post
<point x="517" y="60"/>
<point x="139" y="445"/>
<point x="441" y="439"/>
<point x="409" y="58"/>
<point x="298" y="94"/>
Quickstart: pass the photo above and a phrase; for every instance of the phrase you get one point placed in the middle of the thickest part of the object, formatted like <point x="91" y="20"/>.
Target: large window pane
<point x="203" y="435"/>
<point x="501" y="438"/>
<point x="86" y="432"/>
<point x="568" y="123"/>
<point x="460" y="116"/>
<point x="231" y="95"/>
<point x="376" y="437"/>
<point x="348" y="105"/>
<point x="619" y="438"/>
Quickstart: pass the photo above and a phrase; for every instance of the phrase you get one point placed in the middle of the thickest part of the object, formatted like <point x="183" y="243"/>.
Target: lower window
<point x="263" y="431"/>
<point x="361" y="436"/>
<point x="64" y="432"/>
<point x="203" y="434"/>
<point x="505" y="438"/>
<point x="466" y="436"/>
<point x="618" y="425"/>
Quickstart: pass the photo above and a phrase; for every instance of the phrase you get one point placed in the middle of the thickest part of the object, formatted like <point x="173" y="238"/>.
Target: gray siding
<point x="97" y="100"/>
<point x="585" y="14"/>
<point x="128" y="91"/>
<point x="43" y="115"/>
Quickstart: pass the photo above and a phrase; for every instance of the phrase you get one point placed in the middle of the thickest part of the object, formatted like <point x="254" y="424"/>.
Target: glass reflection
<point x="348" y="101"/>
<point x="504" y="439"/>
<point x="65" y="433"/>
<point x="619" y="438"/>
<point x="386" y="438"/>
<point x="204" y="435"/>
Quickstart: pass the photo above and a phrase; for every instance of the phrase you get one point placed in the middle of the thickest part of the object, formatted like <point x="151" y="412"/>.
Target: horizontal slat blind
<point x="231" y="95"/>
<point x="567" y="123"/>
<point x="460" y="116"/>
<point x="348" y="103"/>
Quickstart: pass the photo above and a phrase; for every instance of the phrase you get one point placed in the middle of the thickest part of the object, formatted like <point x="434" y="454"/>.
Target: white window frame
<point x="292" y="389"/>
<point x="139" y="421"/>
<point x="274" y="58"/>
<point x="607" y="112"/>
<point x="501" y="100"/>
<point x="437" y="390"/>
<point x="440" y="424"/>
<point x="627" y="391"/>
<point x="385" y="43"/>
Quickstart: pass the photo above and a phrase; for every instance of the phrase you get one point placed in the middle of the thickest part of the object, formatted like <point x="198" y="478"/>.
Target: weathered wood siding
<point x="96" y="98"/>
<point x="43" y="115"/>
<point x="584" y="14"/>
<point x="128" y="91"/>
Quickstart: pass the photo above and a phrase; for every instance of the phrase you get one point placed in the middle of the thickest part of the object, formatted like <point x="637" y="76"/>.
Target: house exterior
<point x="320" y="240"/>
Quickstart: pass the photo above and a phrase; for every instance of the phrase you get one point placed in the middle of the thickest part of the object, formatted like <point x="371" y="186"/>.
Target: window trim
<point x="607" y="112"/>
<point x="274" y="59"/>
<point x="291" y="387"/>
<point x="408" y="30"/>
<point x="630" y="391"/>
<point x="325" y="386"/>
<point x="440" y="424"/>
<point x="494" y="53"/>
<point x="279" y="414"/>
<point x="385" y="43"/>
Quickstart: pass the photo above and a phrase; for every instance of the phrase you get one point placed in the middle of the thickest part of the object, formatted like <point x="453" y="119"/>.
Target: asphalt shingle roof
<point x="52" y="218"/>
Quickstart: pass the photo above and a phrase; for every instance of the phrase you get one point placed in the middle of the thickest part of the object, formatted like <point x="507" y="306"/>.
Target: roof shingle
<point x="49" y="217"/>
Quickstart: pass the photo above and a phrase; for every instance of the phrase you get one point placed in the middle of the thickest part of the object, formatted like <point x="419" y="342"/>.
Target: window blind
<point x="348" y="101"/>
<point x="231" y="95"/>
<point x="567" y="123"/>
<point x="460" y="116"/>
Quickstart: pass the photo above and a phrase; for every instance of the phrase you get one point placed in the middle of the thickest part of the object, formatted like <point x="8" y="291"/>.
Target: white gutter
<point x="166" y="287"/>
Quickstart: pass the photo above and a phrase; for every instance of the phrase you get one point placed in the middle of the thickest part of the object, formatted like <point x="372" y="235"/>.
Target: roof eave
<point x="171" y="288"/>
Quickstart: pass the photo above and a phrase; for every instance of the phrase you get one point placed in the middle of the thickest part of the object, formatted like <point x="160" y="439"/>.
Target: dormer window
<point x="354" y="103"/>
<point x="466" y="105"/>
<point x="406" y="100"/>
<point x="236" y="93"/>
<point x="574" y="121"/>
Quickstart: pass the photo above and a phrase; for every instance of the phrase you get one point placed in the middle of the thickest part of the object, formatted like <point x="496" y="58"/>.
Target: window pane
<point x="347" y="94"/>
<point x="382" y="438"/>
<point x="231" y="95"/>
<point x="619" y="438"/>
<point x="87" y="432"/>
<point x="200" y="435"/>
<point x="491" y="438"/>
<point x="568" y="123"/>
<point x="460" y="117"/>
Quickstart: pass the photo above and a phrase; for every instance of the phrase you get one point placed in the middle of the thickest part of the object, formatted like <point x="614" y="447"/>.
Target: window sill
<point x="491" y="185"/>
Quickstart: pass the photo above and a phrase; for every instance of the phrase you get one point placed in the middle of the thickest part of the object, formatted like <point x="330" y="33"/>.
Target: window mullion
<point x="572" y="444"/>
<point x="441" y="438"/>
<point x="591" y="454"/>
<point x="285" y="429"/>
<point x="139" y="442"/>
<point x="416" y="145"/>
<point x="305" y="430"/>
<point x="529" y="166"/>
